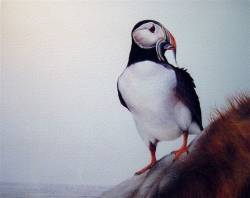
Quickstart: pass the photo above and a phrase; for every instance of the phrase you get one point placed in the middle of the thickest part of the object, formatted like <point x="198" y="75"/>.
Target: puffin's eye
<point x="152" y="29"/>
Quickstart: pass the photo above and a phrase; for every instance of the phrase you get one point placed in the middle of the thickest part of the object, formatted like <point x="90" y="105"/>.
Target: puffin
<point x="160" y="96"/>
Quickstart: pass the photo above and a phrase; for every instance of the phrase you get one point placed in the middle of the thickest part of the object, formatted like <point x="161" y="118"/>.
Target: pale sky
<point x="61" y="120"/>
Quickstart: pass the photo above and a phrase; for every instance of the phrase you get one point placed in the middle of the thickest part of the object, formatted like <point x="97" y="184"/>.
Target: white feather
<point x="148" y="90"/>
<point x="146" y="39"/>
<point x="194" y="128"/>
<point x="182" y="116"/>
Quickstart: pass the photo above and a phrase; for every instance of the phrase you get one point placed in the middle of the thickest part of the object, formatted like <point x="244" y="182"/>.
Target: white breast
<point x="148" y="90"/>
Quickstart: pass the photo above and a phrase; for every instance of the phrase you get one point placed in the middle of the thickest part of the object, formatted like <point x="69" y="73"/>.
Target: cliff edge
<point x="218" y="165"/>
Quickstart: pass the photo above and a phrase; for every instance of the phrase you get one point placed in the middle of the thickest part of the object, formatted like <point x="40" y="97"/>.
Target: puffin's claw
<point x="145" y="168"/>
<point x="178" y="153"/>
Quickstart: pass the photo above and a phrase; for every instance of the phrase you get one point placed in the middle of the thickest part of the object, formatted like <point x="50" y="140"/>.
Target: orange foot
<point x="178" y="153"/>
<point x="146" y="168"/>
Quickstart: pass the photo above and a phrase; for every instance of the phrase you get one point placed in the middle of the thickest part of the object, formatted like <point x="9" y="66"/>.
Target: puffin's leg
<point x="152" y="149"/>
<point x="184" y="147"/>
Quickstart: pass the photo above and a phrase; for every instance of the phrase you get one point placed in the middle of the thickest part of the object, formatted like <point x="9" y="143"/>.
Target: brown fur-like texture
<point x="218" y="165"/>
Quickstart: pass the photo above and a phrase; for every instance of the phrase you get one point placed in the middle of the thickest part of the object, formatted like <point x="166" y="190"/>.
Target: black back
<point x="185" y="91"/>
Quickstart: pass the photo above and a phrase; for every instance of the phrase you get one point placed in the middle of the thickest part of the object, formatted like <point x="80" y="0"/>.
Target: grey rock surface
<point x="146" y="184"/>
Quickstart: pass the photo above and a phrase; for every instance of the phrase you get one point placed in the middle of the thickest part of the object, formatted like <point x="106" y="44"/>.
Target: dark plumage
<point x="185" y="91"/>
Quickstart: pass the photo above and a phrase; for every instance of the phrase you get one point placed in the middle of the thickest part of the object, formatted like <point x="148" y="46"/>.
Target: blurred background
<point x="61" y="120"/>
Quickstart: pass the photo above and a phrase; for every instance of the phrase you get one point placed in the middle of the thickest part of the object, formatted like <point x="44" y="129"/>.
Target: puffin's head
<point x="148" y="34"/>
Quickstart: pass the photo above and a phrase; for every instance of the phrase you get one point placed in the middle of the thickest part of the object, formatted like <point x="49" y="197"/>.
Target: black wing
<point x="185" y="91"/>
<point x="120" y="97"/>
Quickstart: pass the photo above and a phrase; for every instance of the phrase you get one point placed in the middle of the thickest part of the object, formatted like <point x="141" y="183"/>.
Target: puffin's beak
<point x="172" y="47"/>
<point x="162" y="46"/>
<point x="166" y="44"/>
<point x="171" y="44"/>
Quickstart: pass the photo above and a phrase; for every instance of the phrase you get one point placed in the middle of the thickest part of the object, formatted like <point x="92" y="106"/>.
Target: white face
<point x="147" y="35"/>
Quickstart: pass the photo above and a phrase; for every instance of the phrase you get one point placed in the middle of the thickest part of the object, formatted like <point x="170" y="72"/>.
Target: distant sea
<point x="19" y="190"/>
